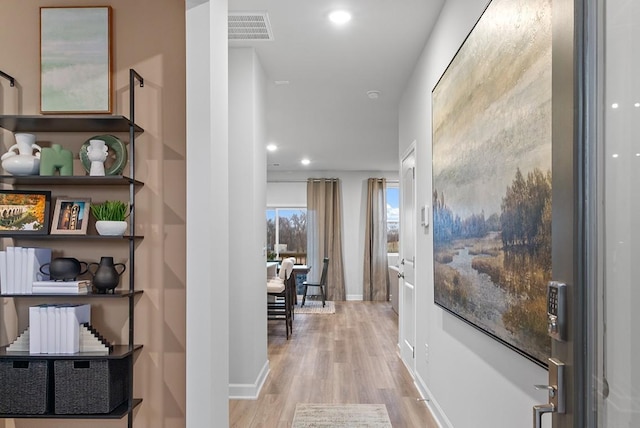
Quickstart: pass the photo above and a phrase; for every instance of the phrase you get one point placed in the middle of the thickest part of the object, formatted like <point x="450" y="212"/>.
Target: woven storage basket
<point x="23" y="387"/>
<point x="90" y="386"/>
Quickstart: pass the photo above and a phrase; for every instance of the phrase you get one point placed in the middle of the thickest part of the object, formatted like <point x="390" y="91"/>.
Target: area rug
<point x="314" y="307"/>
<point x="341" y="416"/>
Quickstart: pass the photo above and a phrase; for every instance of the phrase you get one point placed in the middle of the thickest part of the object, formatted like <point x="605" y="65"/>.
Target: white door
<point x="407" y="335"/>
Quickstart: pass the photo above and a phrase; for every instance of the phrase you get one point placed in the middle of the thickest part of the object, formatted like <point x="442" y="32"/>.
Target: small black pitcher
<point x="106" y="276"/>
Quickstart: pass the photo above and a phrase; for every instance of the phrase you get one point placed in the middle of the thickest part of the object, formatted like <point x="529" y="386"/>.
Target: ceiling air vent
<point x="249" y="26"/>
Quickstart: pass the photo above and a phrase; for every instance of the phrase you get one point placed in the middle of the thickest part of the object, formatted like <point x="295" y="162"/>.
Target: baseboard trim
<point x="354" y="297"/>
<point x="240" y="391"/>
<point x="432" y="403"/>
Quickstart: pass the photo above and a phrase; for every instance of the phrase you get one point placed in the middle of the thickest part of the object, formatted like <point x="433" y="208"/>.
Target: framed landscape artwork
<point x="75" y="59"/>
<point x="491" y="122"/>
<point x="24" y="212"/>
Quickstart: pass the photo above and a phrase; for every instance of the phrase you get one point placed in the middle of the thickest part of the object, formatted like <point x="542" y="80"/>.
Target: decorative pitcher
<point x="22" y="162"/>
<point x="106" y="276"/>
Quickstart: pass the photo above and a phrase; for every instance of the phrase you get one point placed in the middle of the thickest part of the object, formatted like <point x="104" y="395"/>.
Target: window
<point x="287" y="233"/>
<point x="393" y="218"/>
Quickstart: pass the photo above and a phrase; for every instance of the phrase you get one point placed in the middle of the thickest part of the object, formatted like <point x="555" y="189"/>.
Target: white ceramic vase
<point x="111" y="228"/>
<point x="24" y="161"/>
<point x="97" y="152"/>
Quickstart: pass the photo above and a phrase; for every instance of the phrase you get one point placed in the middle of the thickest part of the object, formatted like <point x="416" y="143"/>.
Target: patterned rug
<point x="341" y="415"/>
<point x="312" y="306"/>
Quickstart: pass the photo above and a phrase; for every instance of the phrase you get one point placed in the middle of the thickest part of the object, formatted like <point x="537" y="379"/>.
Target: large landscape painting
<point x="492" y="177"/>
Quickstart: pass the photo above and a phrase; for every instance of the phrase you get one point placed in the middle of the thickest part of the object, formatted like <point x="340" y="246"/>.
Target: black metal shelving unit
<point x="84" y="123"/>
<point x="38" y="180"/>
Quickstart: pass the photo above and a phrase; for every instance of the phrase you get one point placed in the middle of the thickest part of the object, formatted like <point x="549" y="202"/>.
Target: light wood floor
<point x="348" y="357"/>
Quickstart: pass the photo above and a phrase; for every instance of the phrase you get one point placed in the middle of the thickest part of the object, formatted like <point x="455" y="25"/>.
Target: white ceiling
<point x="324" y="112"/>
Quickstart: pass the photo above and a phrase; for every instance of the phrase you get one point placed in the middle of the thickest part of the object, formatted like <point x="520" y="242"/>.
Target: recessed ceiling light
<point x="305" y="161"/>
<point x="374" y="95"/>
<point x="340" y="17"/>
<point x="272" y="147"/>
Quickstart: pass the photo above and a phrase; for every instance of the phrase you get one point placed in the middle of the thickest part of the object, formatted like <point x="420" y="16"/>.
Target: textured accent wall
<point x="149" y="36"/>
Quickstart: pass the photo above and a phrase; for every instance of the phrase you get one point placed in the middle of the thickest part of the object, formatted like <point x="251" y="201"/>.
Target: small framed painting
<point x="71" y="216"/>
<point x="75" y="60"/>
<point x="24" y="212"/>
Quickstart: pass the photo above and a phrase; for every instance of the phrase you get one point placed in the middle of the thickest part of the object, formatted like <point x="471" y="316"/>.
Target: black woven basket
<point x="23" y="387"/>
<point x="89" y="386"/>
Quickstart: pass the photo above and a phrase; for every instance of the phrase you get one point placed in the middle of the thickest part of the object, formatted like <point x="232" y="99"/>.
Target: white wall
<point x="207" y="217"/>
<point x="248" y="365"/>
<point x="354" y="199"/>
<point x="287" y="194"/>
<point x="472" y="380"/>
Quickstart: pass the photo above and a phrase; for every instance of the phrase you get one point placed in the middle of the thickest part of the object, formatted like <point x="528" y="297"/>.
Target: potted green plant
<point x="110" y="217"/>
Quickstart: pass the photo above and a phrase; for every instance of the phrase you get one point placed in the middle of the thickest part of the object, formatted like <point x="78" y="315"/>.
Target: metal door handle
<point x="540" y="410"/>
<point x="555" y="390"/>
<point x="400" y="275"/>
<point x="550" y="388"/>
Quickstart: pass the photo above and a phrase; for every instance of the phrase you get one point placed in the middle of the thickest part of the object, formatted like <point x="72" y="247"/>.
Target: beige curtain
<point x="376" y="271"/>
<point x="324" y="233"/>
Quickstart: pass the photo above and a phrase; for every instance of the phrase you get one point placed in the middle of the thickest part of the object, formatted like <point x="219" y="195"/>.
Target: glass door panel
<point x="619" y="352"/>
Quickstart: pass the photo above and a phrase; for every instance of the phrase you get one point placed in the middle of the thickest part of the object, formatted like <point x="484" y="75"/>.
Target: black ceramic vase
<point x="106" y="276"/>
<point x="64" y="269"/>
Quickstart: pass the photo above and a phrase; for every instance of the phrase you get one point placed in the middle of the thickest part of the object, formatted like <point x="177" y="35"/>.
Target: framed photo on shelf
<point x="24" y="212"/>
<point x="75" y="60"/>
<point x="71" y="216"/>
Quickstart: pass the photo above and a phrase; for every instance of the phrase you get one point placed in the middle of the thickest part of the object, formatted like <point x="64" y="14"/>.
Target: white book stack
<point x="20" y="267"/>
<point x="82" y="286"/>
<point x="55" y="329"/>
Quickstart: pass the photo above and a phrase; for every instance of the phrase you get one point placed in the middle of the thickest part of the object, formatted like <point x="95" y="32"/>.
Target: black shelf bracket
<point x="133" y="75"/>
<point x="12" y="80"/>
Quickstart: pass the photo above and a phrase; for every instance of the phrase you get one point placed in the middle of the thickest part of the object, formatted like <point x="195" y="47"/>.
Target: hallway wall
<point x="207" y="373"/>
<point x="472" y="380"/>
<point x="248" y="365"/>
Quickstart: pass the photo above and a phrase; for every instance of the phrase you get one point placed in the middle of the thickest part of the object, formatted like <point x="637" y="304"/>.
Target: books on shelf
<point x="61" y="287"/>
<point x="36" y="258"/>
<point x="3" y="272"/>
<point x="55" y="328"/>
<point x="20" y="267"/>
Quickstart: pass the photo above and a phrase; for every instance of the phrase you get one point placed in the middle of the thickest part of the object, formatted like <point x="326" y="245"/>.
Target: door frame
<point x="574" y="255"/>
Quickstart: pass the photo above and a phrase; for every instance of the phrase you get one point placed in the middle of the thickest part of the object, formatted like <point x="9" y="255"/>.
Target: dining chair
<point x="279" y="289"/>
<point x="322" y="284"/>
